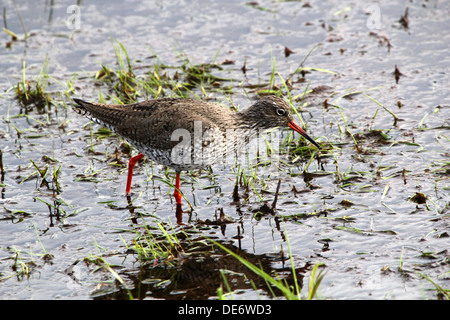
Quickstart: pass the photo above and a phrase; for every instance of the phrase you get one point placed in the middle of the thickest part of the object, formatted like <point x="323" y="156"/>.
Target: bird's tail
<point x="102" y="114"/>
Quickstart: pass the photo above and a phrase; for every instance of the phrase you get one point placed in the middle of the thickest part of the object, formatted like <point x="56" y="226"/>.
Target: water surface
<point x="378" y="247"/>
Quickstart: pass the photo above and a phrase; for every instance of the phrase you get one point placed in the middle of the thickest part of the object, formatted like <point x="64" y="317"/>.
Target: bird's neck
<point x="249" y="119"/>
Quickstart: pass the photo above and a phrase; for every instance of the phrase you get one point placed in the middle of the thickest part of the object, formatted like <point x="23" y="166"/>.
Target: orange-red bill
<point x="297" y="128"/>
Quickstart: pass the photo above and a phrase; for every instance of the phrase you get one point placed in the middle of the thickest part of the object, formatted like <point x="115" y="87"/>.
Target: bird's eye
<point x="281" y="112"/>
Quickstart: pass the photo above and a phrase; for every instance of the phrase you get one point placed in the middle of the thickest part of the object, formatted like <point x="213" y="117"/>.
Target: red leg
<point x="177" y="193"/>
<point x="177" y="196"/>
<point x="131" y="164"/>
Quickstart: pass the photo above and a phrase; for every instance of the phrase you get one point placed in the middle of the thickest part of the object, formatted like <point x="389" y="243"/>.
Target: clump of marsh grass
<point x="32" y="92"/>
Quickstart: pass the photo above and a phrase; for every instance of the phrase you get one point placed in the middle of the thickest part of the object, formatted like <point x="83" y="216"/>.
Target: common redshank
<point x="156" y="127"/>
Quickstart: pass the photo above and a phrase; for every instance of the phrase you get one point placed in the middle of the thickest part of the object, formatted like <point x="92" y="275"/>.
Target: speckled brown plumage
<point x="150" y="125"/>
<point x="156" y="127"/>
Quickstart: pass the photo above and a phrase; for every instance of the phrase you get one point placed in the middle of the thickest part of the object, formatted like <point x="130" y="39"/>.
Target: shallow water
<point x="376" y="248"/>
